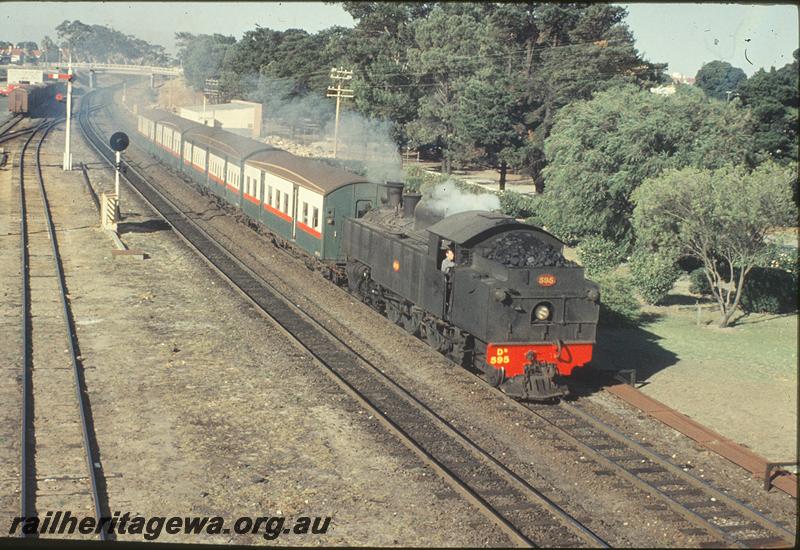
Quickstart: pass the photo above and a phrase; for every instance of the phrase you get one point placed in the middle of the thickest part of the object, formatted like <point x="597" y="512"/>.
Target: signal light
<point x="59" y="97"/>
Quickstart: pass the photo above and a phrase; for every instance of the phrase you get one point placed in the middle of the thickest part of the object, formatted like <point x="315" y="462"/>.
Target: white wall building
<point x="240" y="117"/>
<point x="30" y="76"/>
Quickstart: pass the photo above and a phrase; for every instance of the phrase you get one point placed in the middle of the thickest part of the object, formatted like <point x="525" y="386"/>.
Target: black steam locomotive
<point x="512" y="305"/>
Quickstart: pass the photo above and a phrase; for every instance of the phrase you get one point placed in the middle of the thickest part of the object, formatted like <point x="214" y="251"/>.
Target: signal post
<point x="67" y="165"/>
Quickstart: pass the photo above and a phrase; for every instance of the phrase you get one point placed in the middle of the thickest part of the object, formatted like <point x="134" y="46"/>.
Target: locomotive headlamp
<point x="542" y="312"/>
<point x="593" y="294"/>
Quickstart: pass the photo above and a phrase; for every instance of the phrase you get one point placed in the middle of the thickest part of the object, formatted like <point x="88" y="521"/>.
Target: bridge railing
<point x="110" y="67"/>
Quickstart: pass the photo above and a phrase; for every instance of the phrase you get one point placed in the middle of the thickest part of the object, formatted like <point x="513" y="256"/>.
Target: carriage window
<point x="315" y="218"/>
<point x="269" y="195"/>
<point x="305" y="213"/>
<point x="286" y="203"/>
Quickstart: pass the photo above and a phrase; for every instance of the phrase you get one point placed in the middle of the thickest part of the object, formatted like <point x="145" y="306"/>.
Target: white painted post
<point x="116" y="173"/>
<point x="67" y="153"/>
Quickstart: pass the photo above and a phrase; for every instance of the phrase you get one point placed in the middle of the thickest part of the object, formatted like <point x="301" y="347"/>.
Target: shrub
<point x="653" y="275"/>
<point x="599" y="255"/>
<point x="698" y="282"/>
<point x="618" y="307"/>
<point x="417" y="178"/>
<point x="782" y="257"/>
<point x="517" y="205"/>
<point x="769" y="290"/>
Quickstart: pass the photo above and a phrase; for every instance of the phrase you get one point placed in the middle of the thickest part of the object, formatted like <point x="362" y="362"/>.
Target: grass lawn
<point x="741" y="381"/>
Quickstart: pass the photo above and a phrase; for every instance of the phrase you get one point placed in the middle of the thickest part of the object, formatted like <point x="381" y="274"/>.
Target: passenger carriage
<point x="302" y="200"/>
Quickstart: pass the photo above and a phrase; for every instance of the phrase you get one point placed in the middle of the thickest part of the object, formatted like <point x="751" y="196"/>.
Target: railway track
<point x="522" y="512"/>
<point x="9" y="123"/>
<point x="713" y="512"/>
<point x="60" y="466"/>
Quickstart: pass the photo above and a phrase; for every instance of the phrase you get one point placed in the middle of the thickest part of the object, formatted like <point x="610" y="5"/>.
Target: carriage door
<point x="295" y="191"/>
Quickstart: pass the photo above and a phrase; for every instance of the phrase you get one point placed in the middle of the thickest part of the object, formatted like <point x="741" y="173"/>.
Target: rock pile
<point x="525" y="250"/>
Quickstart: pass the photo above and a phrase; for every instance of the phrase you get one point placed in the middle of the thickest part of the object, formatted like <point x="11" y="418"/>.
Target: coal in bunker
<point x="525" y="250"/>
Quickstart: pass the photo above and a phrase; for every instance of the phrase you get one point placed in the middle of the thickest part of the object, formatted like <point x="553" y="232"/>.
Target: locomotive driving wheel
<point x="435" y="338"/>
<point x="394" y="312"/>
<point x="494" y="377"/>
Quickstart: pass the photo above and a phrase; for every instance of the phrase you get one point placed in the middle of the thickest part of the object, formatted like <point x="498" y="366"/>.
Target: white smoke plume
<point x="448" y="198"/>
<point x="361" y="138"/>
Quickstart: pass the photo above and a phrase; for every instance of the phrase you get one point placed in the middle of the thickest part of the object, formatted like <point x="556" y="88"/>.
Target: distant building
<point x="17" y="55"/>
<point x="25" y="76"/>
<point x="678" y="78"/>
<point x="239" y="117"/>
<point x="667" y="89"/>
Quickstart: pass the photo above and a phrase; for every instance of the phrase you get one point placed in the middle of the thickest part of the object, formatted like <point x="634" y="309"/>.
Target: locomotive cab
<point x="531" y="311"/>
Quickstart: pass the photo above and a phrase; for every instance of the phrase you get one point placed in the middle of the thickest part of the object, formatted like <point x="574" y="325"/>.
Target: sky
<point x="683" y="35"/>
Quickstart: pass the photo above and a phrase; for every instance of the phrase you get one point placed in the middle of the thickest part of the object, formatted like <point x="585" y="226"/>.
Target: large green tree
<point x="202" y="56"/>
<point x="488" y="125"/>
<point x="720" y="217"/>
<point x="450" y="46"/>
<point x="384" y="81"/>
<point x="97" y="43"/>
<point x="579" y="50"/>
<point x="773" y="97"/>
<point x="601" y="150"/>
<point x="719" y="79"/>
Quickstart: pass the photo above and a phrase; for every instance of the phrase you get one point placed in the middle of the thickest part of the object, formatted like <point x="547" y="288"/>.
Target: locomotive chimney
<point x="395" y="191"/>
<point x="410" y="201"/>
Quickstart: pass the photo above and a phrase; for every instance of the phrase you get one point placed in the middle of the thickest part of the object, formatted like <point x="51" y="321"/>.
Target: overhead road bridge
<point x="108" y="68"/>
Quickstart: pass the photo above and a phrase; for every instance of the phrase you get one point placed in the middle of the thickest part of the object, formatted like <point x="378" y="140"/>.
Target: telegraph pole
<point x="338" y="75"/>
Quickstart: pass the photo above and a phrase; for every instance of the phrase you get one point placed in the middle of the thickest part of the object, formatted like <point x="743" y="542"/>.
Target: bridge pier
<point x="92" y="77"/>
<point x="152" y="80"/>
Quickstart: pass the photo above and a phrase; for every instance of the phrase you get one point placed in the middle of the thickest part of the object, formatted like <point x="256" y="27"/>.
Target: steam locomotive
<point x="512" y="306"/>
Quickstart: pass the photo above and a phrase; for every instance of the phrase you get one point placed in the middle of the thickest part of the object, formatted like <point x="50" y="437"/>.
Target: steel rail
<point x="690" y="479"/>
<point x="548" y="413"/>
<point x="27" y="389"/>
<point x="10" y="123"/>
<point x="474" y="495"/>
<point x="93" y="464"/>
<point x="13" y="135"/>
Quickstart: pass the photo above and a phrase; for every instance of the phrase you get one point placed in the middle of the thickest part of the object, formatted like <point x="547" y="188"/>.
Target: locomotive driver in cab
<point x="449" y="260"/>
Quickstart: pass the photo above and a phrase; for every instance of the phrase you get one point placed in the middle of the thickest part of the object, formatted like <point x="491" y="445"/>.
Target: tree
<point x="27" y="46"/>
<point x="773" y="98"/>
<point x="600" y="151"/>
<point x="376" y="50"/>
<point x="202" y="56"/>
<point x="488" y="124"/>
<point x="448" y="49"/>
<point x="719" y="79"/>
<point x="97" y="43"/>
<point x="49" y="49"/>
<point x="579" y="50"/>
<point x="719" y="217"/>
